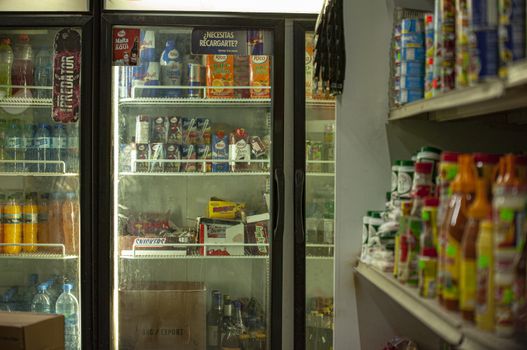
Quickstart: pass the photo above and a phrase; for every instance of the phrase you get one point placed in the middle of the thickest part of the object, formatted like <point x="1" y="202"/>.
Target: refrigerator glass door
<point x="319" y="209"/>
<point x="39" y="171"/>
<point x="191" y="187"/>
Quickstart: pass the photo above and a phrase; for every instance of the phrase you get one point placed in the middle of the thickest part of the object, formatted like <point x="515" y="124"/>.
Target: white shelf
<point x="330" y="175"/>
<point x="180" y="255"/>
<point x="486" y="98"/>
<point x="196" y="102"/>
<point x="448" y="325"/>
<point x="25" y="102"/>
<point x="314" y="103"/>
<point x="32" y="174"/>
<point x="37" y="256"/>
<point x="199" y="174"/>
<point x="331" y="258"/>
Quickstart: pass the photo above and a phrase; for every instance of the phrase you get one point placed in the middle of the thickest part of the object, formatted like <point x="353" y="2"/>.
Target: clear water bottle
<point x="3" y="139"/>
<point x="43" y="73"/>
<point x="22" y="72"/>
<point x="28" y="132"/>
<point x="59" y="147"/>
<point x="73" y="147"/>
<point x="7" y="300"/>
<point x="41" y="301"/>
<point x="13" y="147"/>
<point x="68" y="306"/>
<point x="29" y="292"/>
<point x="42" y="142"/>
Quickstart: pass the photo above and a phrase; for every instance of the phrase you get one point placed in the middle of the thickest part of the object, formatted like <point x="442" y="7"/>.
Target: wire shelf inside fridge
<point x="198" y="174"/>
<point x="196" y="102"/>
<point x="25" y="102"/>
<point x="321" y="103"/>
<point x="25" y="164"/>
<point x="45" y="251"/>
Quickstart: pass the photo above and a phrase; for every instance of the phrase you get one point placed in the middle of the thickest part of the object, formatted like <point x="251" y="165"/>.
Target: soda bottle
<point x="55" y="218"/>
<point x="43" y="228"/>
<point x="42" y="143"/>
<point x="43" y="73"/>
<point x="59" y="148"/>
<point x="12" y="225"/>
<point x="68" y="306"/>
<point x="170" y="63"/>
<point x="13" y="147"/>
<point x="22" y="74"/>
<point x="72" y="133"/>
<point x="6" y="65"/>
<point x="41" y="302"/>
<point x="27" y="145"/>
<point x="7" y="300"/>
<point x="134" y="52"/>
<point x="70" y="222"/>
<point x="30" y="222"/>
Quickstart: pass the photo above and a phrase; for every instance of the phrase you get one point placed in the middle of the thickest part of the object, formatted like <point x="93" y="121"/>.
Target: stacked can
<point x="397" y="60"/>
<point x="511" y="33"/>
<point x="147" y="72"/>
<point x="429" y="61"/>
<point x="463" y="34"/>
<point x="410" y="76"/>
<point x="484" y="40"/>
<point x="447" y="9"/>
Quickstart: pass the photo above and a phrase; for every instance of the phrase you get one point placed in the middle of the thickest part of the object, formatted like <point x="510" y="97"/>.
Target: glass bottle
<point x="214" y="321"/>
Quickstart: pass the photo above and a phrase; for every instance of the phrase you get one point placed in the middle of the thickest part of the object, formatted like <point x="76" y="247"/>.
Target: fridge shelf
<point x="330" y="175"/>
<point x="448" y="325"/>
<point x="321" y="103"/>
<point x="38" y="255"/>
<point x="25" y="102"/>
<point x="486" y="98"/>
<point x="24" y="163"/>
<point x="145" y="255"/>
<point x="207" y="174"/>
<point x="196" y="102"/>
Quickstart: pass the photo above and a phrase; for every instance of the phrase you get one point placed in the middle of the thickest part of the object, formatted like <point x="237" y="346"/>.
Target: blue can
<point x="485" y="56"/>
<point x="412" y="82"/>
<point x="412" y="54"/>
<point x="511" y="40"/>
<point x="411" y="68"/>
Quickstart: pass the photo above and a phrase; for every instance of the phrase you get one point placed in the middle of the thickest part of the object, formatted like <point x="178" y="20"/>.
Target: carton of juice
<point x="220" y="73"/>
<point x="241" y="76"/>
<point x="260" y="69"/>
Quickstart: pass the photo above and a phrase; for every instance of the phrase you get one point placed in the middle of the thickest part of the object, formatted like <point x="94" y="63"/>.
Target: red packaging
<point x="172" y="152"/>
<point x="241" y="76"/>
<point x="142" y="154"/>
<point x="239" y="149"/>
<point x="257" y="232"/>
<point x="175" y="132"/>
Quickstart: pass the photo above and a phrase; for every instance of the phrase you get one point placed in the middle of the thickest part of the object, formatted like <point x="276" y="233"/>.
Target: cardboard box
<point x="163" y="316"/>
<point x="219" y="231"/>
<point x="31" y="331"/>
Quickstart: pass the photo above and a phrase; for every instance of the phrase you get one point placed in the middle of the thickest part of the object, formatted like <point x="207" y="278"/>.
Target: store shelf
<point x="448" y="325"/>
<point x="330" y="175"/>
<point x="490" y="97"/>
<point x="199" y="174"/>
<point x="195" y="102"/>
<point x="25" y="102"/>
<point x="318" y="103"/>
<point x="181" y="255"/>
<point x="32" y="174"/>
<point x="51" y="254"/>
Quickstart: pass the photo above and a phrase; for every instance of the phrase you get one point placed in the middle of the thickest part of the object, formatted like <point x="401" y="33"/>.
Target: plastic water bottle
<point x="29" y="292"/>
<point x="171" y="68"/>
<point x="6" y="65"/>
<point x="42" y="143"/>
<point x="13" y="147"/>
<point x="27" y="144"/>
<point x="22" y="73"/>
<point x="59" y="147"/>
<point x="73" y="147"/>
<point x="7" y="300"/>
<point x="68" y="306"/>
<point x="43" y="73"/>
<point x="41" y="301"/>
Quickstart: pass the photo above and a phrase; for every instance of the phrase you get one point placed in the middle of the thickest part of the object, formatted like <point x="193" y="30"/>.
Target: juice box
<point x="172" y="152"/>
<point x="204" y="153"/>
<point x="260" y="76"/>
<point x="175" y="132"/>
<point x="220" y="73"/>
<point x="241" y="76"/>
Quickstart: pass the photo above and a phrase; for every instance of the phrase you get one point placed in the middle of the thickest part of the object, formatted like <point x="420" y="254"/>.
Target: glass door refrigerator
<point x="45" y="170"/>
<point x="194" y="127"/>
<point x="314" y="190"/>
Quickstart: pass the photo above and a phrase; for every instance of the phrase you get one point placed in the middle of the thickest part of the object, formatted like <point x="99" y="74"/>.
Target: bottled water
<point x="13" y="147"/>
<point x="27" y="145"/>
<point x="43" y="72"/>
<point x="73" y="147"/>
<point x="41" y="301"/>
<point x="7" y="300"/>
<point x="28" y="293"/>
<point x="42" y="142"/>
<point x="59" y="147"/>
<point x="68" y="306"/>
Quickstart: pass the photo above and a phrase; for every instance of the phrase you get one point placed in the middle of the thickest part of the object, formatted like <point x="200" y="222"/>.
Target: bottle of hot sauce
<point x="479" y="210"/>
<point x="463" y="189"/>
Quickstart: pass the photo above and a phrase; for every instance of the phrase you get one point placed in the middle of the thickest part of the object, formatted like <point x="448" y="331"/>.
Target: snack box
<point x="217" y="232"/>
<point x="412" y="25"/>
<point x="221" y="209"/>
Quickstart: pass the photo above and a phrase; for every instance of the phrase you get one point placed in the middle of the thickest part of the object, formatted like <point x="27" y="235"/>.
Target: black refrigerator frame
<point x="85" y="22"/>
<point x="208" y="20"/>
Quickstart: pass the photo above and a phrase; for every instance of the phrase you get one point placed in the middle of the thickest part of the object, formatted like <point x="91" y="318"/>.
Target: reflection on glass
<point x="191" y="157"/>
<point x="319" y="210"/>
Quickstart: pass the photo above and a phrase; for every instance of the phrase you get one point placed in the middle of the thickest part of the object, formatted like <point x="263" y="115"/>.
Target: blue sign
<point x="231" y="42"/>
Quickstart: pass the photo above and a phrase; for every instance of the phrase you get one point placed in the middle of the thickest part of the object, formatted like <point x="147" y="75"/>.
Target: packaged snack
<point x="190" y="130"/>
<point x="257" y="232"/>
<point x="159" y="130"/>
<point x="221" y="209"/>
<point x="204" y="153"/>
<point x="239" y="150"/>
<point x="463" y="36"/>
<point x="156" y="153"/>
<point x="142" y="157"/>
<point x="203" y="131"/>
<point x="241" y="76"/>
<point x="216" y="232"/>
<point x="175" y="132"/>
<point x="188" y="152"/>
<point x="260" y="76"/>
<point x="220" y="74"/>
<point x="220" y="151"/>
<point x="258" y="151"/>
<point x="172" y="152"/>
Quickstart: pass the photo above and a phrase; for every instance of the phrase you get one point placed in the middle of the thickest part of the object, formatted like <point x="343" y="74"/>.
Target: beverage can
<point x="150" y="78"/>
<point x="147" y="51"/>
<point x="220" y="151"/>
<point x="194" y="79"/>
<point x="142" y="129"/>
<point x="255" y="42"/>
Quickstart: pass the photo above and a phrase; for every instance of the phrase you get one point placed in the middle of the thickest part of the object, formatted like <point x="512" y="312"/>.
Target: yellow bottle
<point x="12" y="226"/>
<point x="30" y="223"/>
<point x="2" y="203"/>
<point x="485" y="278"/>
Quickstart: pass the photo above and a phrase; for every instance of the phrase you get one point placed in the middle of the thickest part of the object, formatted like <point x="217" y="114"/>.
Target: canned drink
<point x="125" y="81"/>
<point x="147" y="52"/>
<point x="255" y="42"/>
<point x="137" y="80"/>
<point x="142" y="129"/>
<point x="151" y="78"/>
<point x="194" y="79"/>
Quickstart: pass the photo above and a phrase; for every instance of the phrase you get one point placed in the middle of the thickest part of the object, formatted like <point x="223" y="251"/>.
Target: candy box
<point x="257" y="232"/>
<point x="217" y="232"/>
<point x="221" y="209"/>
<point x="260" y="78"/>
<point x="220" y="75"/>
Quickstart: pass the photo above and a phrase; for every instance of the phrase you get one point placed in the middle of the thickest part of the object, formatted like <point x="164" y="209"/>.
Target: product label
<point x="467" y="284"/>
<point x="212" y="335"/>
<point x="404" y="183"/>
<point x="427" y="276"/>
<point x="451" y="276"/>
<point x="42" y="142"/>
<point x="126" y="46"/>
<point x="59" y="142"/>
<point x="12" y="218"/>
<point x="30" y="218"/>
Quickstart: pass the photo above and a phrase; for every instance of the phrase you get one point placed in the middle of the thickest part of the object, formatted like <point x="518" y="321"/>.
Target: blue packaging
<point x="412" y="82"/>
<point x="413" y="40"/>
<point x="412" y="25"/>
<point x="411" y="68"/>
<point x="407" y="96"/>
<point x="412" y="54"/>
<point x="485" y="57"/>
<point x="220" y="151"/>
<point x="511" y="40"/>
<point x="484" y="13"/>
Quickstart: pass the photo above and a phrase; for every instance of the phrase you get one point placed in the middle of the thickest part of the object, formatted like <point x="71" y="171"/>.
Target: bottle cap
<point x="430" y="149"/>
<point x="450" y="157"/>
<point x="42" y="287"/>
<point x="67" y="287"/>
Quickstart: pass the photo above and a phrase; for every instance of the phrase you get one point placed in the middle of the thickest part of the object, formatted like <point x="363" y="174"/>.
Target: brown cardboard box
<point x="163" y="316"/>
<point x="31" y="331"/>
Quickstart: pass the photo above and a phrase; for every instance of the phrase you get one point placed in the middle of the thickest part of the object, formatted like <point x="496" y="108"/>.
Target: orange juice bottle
<point x="12" y="225"/>
<point x="30" y="222"/>
<point x="70" y="222"/>
<point x="43" y="228"/>
<point x="2" y="200"/>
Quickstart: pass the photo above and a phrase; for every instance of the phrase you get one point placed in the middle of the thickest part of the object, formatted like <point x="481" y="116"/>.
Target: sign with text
<point x="231" y="42"/>
<point x="125" y="46"/>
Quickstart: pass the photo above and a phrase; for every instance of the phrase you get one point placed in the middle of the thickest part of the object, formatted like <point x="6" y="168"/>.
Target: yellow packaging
<point x="452" y="263"/>
<point x="220" y="209"/>
<point x="260" y="68"/>
<point x="467" y="284"/>
<point x="220" y="73"/>
<point x="12" y="226"/>
<point x="427" y="276"/>
<point x="30" y="225"/>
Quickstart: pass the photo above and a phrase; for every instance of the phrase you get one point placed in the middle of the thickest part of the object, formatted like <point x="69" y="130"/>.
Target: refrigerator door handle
<point x="279" y="185"/>
<point x="299" y="206"/>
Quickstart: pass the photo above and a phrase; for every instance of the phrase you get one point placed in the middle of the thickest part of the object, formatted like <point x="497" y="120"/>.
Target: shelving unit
<point x="39" y="254"/>
<point x="490" y="97"/>
<point x="32" y="174"/>
<point x="196" y="102"/>
<point x="448" y="325"/>
<point x="17" y="102"/>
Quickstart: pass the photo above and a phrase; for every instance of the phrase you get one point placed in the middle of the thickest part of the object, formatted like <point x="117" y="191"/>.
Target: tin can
<point x="151" y="78"/>
<point x="142" y="129"/>
<point x="194" y="79"/>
